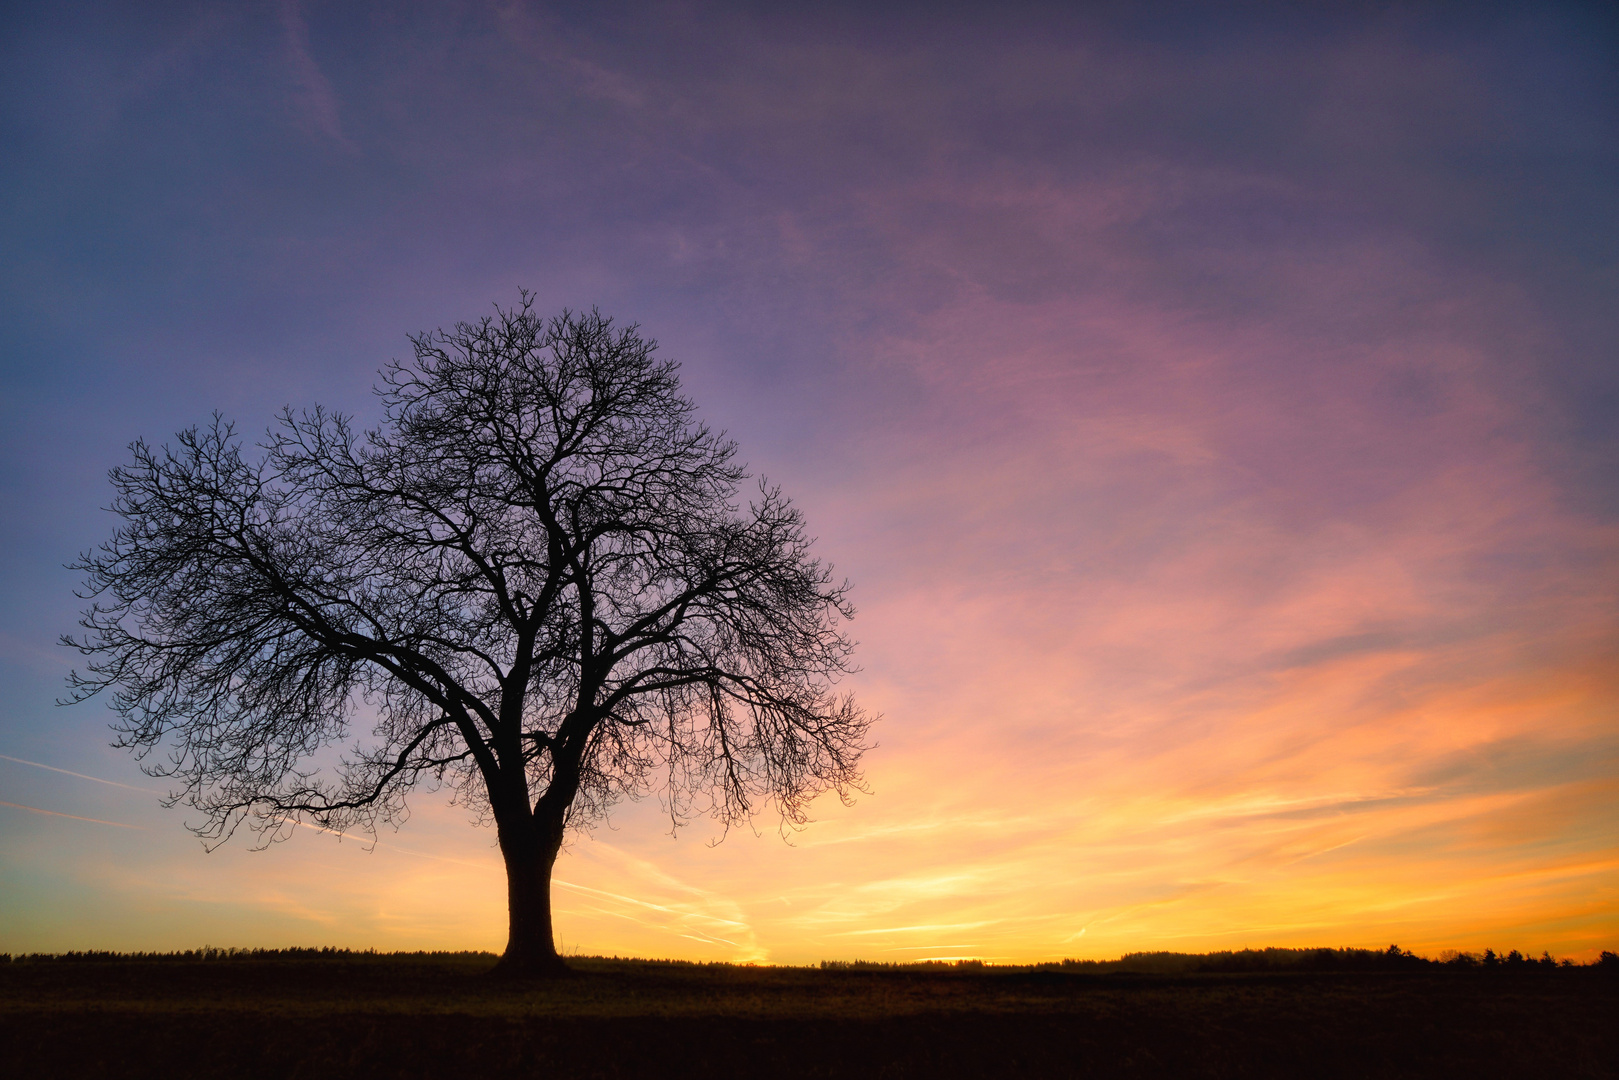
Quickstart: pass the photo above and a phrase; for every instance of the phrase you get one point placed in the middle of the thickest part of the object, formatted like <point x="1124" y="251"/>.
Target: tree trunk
<point x="530" y="850"/>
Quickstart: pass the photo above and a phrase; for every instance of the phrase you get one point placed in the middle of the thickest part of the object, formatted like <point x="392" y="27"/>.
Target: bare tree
<point x="536" y="575"/>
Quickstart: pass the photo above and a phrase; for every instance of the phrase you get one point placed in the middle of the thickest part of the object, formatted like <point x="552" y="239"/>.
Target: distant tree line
<point x="1393" y="958"/>
<point x="1240" y="961"/>
<point x="209" y="953"/>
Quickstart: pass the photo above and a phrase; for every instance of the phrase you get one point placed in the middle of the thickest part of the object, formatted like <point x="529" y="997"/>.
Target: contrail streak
<point x="75" y="817"/>
<point x="80" y="775"/>
<point x="347" y="836"/>
<point x="155" y="791"/>
<point x="374" y="842"/>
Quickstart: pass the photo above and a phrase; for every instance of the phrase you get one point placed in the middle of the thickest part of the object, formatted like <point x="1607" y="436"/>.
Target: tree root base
<point x="531" y="968"/>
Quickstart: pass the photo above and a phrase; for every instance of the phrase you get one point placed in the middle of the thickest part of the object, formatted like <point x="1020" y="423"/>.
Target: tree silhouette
<point x="535" y="580"/>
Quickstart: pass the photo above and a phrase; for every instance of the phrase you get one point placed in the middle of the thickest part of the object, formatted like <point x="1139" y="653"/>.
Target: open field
<point x="362" y="1015"/>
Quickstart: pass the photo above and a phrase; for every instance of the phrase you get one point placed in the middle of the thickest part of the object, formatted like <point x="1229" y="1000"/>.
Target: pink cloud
<point x="313" y="97"/>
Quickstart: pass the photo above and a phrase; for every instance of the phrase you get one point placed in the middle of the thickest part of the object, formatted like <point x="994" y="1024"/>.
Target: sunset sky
<point x="1217" y="415"/>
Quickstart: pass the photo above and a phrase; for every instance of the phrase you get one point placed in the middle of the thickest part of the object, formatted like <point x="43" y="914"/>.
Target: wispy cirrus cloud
<point x="313" y="98"/>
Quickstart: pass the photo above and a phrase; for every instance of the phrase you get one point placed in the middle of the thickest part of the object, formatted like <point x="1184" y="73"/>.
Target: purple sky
<point x="1215" y="413"/>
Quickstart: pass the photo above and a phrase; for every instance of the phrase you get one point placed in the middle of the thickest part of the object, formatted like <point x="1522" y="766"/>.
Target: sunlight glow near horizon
<point x="1215" y="430"/>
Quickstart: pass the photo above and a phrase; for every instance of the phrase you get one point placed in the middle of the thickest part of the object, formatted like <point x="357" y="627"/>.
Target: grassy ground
<point x="358" y="1015"/>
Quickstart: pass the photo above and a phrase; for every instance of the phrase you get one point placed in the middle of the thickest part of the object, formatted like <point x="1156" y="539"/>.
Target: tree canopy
<point x="536" y="580"/>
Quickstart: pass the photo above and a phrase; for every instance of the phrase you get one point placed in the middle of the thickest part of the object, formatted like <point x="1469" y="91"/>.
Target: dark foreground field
<point x="353" y="1016"/>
